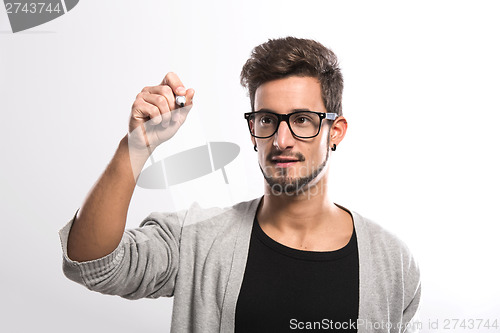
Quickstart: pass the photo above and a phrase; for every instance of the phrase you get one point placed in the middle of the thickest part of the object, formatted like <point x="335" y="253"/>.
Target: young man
<point x="290" y="260"/>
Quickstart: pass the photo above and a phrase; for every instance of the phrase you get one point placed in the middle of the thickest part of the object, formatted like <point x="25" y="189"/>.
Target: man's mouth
<point x="284" y="161"/>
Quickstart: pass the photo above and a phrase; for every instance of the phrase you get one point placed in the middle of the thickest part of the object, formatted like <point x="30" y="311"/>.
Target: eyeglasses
<point x="302" y="124"/>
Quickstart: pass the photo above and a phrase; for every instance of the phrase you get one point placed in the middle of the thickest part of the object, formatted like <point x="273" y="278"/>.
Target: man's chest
<point x="284" y="287"/>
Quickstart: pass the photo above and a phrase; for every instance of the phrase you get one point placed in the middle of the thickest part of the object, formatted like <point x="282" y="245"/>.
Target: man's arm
<point x="100" y="222"/>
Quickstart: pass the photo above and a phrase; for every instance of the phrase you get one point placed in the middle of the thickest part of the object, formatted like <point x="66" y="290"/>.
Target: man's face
<point x="288" y="163"/>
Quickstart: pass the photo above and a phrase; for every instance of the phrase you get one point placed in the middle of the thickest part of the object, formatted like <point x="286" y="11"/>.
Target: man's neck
<point x="298" y="211"/>
<point x="309" y="221"/>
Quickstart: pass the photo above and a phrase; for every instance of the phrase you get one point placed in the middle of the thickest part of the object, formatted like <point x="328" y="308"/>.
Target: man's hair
<point x="290" y="56"/>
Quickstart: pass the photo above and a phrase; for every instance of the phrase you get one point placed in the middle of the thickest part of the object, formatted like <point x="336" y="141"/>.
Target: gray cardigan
<point x="199" y="257"/>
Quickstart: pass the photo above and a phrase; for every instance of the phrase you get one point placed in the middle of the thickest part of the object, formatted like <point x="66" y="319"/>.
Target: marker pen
<point x="180" y="100"/>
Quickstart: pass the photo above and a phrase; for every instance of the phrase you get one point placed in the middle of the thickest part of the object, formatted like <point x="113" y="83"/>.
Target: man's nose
<point x="283" y="138"/>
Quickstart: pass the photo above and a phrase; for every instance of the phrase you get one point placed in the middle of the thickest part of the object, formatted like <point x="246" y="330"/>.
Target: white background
<point x="420" y="156"/>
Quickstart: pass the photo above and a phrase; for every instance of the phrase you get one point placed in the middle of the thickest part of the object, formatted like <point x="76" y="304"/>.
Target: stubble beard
<point x="283" y="184"/>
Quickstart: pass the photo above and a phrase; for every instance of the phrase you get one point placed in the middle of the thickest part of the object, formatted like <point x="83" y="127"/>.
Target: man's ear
<point x="253" y="140"/>
<point x="338" y="131"/>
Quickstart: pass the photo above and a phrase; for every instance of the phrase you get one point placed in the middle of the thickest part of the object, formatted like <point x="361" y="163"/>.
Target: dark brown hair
<point x="283" y="57"/>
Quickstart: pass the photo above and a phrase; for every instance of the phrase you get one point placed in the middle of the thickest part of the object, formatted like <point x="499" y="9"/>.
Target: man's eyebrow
<point x="266" y="110"/>
<point x="292" y="111"/>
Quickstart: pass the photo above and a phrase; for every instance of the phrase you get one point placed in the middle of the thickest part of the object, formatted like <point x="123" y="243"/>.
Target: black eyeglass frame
<point x="286" y="118"/>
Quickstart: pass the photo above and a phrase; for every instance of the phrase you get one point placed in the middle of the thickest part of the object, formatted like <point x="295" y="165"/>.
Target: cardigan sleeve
<point x="144" y="264"/>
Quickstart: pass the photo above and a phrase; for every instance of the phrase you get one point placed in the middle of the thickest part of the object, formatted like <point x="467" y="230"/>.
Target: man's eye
<point x="302" y="120"/>
<point x="266" y="120"/>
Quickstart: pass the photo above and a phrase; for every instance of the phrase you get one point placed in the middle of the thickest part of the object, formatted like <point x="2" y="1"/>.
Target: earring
<point x="255" y="147"/>
<point x="334" y="147"/>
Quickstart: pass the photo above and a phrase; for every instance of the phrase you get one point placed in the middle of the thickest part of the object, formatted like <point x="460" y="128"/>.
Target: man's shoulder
<point x="374" y="233"/>
<point x="204" y="217"/>
<point x="382" y="245"/>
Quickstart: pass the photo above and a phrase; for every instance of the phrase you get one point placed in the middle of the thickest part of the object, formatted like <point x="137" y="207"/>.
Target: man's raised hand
<point x="155" y="117"/>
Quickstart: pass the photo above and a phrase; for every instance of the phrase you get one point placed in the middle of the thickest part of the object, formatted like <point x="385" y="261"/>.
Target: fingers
<point x="161" y="105"/>
<point x="143" y="110"/>
<point x="173" y="81"/>
<point x="189" y="96"/>
<point x="164" y="91"/>
<point x="171" y="84"/>
<point x="153" y="105"/>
